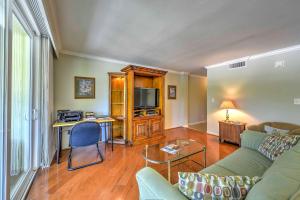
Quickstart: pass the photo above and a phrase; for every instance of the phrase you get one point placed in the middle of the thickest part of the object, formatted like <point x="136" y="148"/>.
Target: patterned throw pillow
<point x="275" y="131"/>
<point x="198" y="186"/>
<point x="275" y="145"/>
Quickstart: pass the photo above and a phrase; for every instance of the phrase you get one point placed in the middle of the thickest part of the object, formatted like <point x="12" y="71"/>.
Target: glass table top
<point x="186" y="148"/>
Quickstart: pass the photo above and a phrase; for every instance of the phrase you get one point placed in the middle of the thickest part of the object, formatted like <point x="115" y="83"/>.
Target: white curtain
<point x="48" y="144"/>
<point x="20" y="118"/>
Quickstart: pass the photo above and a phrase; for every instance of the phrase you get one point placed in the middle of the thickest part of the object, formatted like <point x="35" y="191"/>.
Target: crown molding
<point x="111" y="60"/>
<point x="256" y="56"/>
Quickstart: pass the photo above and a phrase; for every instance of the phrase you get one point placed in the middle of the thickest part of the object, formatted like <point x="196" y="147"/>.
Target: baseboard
<point x="166" y="129"/>
<point x="194" y="123"/>
<point x="212" y="133"/>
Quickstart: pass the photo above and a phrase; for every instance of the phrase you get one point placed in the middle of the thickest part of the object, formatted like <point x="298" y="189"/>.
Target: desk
<point x="107" y="121"/>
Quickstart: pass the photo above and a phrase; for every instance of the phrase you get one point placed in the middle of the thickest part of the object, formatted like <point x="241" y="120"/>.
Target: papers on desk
<point x="171" y="148"/>
<point x="89" y="119"/>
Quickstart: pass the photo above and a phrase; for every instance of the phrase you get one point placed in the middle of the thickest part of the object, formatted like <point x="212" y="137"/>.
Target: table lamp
<point x="227" y="104"/>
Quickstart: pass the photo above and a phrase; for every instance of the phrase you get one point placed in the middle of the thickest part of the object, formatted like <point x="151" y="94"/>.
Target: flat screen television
<point x="146" y="97"/>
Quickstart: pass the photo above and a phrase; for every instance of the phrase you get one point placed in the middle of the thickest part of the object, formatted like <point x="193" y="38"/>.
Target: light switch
<point x="279" y="64"/>
<point x="297" y="101"/>
<point x="213" y="100"/>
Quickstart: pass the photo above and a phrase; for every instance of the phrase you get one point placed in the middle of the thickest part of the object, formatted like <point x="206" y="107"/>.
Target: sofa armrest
<point x="252" y="139"/>
<point x="258" y="128"/>
<point x="154" y="186"/>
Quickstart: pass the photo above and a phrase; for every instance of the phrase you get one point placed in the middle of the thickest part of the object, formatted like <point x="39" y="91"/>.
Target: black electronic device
<point x="69" y="116"/>
<point x="146" y="98"/>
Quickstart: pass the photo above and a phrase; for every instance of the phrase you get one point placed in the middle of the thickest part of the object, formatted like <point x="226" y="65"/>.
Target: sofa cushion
<point x="252" y="139"/>
<point x="216" y="169"/>
<point x="210" y="186"/>
<point x="275" y="145"/>
<point x="245" y="162"/>
<point x="282" y="180"/>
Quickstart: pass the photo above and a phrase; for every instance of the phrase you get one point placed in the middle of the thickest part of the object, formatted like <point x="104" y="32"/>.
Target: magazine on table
<point x="171" y="148"/>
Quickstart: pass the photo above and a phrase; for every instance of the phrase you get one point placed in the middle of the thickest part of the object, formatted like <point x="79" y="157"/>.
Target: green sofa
<point x="280" y="179"/>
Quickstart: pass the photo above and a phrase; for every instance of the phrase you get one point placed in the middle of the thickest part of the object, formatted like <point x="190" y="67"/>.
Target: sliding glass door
<point x="2" y="109"/>
<point x="19" y="97"/>
<point x="21" y="107"/>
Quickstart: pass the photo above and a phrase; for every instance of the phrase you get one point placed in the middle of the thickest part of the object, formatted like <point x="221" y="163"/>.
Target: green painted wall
<point x="262" y="92"/>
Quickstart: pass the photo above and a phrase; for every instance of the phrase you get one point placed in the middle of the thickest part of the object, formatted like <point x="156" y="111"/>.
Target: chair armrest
<point x="154" y="186"/>
<point x="252" y="139"/>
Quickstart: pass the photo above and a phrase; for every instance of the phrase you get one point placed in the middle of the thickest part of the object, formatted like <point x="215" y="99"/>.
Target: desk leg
<point x="112" y="136"/>
<point x="58" y="144"/>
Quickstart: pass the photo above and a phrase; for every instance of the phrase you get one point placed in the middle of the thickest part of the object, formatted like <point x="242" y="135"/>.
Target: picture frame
<point x="84" y="87"/>
<point x="172" y="92"/>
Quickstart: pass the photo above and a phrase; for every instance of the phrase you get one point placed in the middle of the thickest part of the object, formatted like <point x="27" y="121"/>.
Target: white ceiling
<point x="182" y="35"/>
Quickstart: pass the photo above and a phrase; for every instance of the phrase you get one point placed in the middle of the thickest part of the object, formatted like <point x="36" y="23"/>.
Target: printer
<point x="69" y="115"/>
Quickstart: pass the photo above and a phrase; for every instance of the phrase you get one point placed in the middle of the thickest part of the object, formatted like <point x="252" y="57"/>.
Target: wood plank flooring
<point x="115" y="177"/>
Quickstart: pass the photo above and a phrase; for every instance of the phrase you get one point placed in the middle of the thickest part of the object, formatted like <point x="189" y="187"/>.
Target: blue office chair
<point x="81" y="135"/>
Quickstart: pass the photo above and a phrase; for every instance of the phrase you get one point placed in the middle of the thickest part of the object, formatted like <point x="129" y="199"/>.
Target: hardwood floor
<point x="115" y="177"/>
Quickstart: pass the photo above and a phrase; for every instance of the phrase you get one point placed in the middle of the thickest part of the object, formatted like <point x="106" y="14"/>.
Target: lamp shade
<point x="227" y="104"/>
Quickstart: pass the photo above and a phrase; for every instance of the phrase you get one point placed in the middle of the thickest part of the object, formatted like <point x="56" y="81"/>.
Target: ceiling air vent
<point x="237" y="65"/>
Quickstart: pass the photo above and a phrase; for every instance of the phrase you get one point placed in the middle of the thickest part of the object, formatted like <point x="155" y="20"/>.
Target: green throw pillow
<point x="209" y="186"/>
<point x="275" y="145"/>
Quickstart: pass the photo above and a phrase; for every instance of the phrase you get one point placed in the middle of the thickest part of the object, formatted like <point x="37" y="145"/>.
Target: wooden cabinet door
<point x="141" y="129"/>
<point x="156" y="127"/>
<point x="224" y="131"/>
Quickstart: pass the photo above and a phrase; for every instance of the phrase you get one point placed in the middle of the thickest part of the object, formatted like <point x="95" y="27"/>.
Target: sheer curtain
<point x="48" y="143"/>
<point x="20" y="121"/>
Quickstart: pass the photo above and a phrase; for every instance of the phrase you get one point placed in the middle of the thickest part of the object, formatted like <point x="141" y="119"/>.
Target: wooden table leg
<point x="146" y="147"/>
<point x="169" y="171"/>
<point x="204" y="157"/>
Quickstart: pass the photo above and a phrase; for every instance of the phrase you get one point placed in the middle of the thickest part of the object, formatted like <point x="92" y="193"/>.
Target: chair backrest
<point x="84" y="134"/>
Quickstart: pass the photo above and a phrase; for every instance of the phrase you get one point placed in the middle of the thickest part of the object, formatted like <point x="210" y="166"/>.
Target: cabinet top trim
<point x="146" y="70"/>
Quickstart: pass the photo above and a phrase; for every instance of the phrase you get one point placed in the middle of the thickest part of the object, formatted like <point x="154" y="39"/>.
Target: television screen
<point x="146" y="97"/>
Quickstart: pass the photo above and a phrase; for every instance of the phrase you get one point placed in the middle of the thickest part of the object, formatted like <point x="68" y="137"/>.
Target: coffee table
<point x="187" y="147"/>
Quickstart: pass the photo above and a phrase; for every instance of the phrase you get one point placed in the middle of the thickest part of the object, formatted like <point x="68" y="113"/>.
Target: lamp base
<point x="227" y="115"/>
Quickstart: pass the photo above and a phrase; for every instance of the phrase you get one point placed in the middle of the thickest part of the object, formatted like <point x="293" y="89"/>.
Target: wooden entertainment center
<point x="144" y="124"/>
